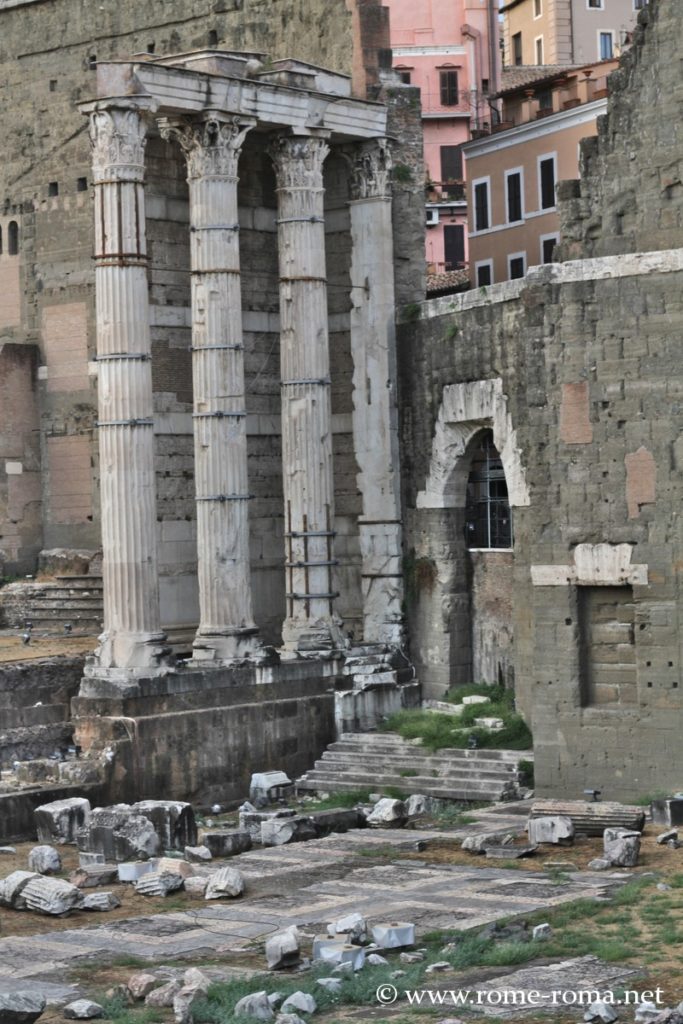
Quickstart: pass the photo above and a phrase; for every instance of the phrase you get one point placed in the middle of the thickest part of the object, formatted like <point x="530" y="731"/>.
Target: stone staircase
<point x="377" y="760"/>
<point x="69" y="599"/>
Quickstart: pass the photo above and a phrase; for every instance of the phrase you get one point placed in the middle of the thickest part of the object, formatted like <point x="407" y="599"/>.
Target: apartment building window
<point x="482" y="217"/>
<point x="595" y="5"/>
<point x="517" y="48"/>
<point x="484" y="273"/>
<point x="449" y="88"/>
<point x="546" y="177"/>
<point x="538" y="8"/>
<point x="545" y="99"/>
<point x="488" y="515"/>
<point x="454" y="246"/>
<point x="606" y="45"/>
<point x="404" y="75"/>
<point x="451" y="172"/>
<point x="538" y="46"/>
<point x="516" y="265"/>
<point x="513" y="195"/>
<point x="548" y="244"/>
<point x="639" y="4"/>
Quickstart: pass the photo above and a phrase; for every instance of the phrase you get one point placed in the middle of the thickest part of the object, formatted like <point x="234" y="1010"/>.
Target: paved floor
<point x="308" y="884"/>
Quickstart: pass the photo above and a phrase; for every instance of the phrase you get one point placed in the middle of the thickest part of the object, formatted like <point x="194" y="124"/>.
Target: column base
<point x="131" y="653"/>
<point x="307" y="638"/>
<point x="383" y="682"/>
<point x="231" y="648"/>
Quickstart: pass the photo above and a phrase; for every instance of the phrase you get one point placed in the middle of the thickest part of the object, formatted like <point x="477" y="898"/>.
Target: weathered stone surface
<point x="478" y="843"/>
<point x="173" y="821"/>
<point x="542" y="931"/>
<point x="101" y="901"/>
<point x="353" y="926"/>
<point x="159" y="883"/>
<point x="92" y="876"/>
<point x="12" y="888"/>
<point x="387" y="813"/>
<point x="131" y="871"/>
<point x="394" y="935"/>
<point x="196" y="886"/>
<point x="268" y="787"/>
<point x="197" y="854"/>
<point x="252" y="820"/>
<point x="141" y="984"/>
<point x="225" y="882"/>
<point x="59" y="821"/>
<point x="20" y="1007"/>
<point x="283" y="949"/>
<point x="185" y="1000"/>
<point x="671" y="833"/>
<point x="83" y="1009"/>
<point x="120" y="834"/>
<point x="255" y="1005"/>
<point x="51" y="896"/>
<point x="418" y="804"/>
<point x="280" y="831"/>
<point x="164" y="995"/>
<point x="299" y="1002"/>
<point x="333" y="985"/>
<point x="600" y="1010"/>
<point x="599" y="864"/>
<point x="591" y="818"/>
<point x="226" y="843"/>
<point x="174" y="866"/>
<point x="336" y="951"/>
<point x="45" y="860"/>
<point x="557" y="830"/>
<point x="622" y="847"/>
<point x="509" y="852"/>
<point x="667" y="812"/>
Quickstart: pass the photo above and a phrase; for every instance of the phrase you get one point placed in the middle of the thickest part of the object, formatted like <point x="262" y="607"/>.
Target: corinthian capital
<point x="212" y="146"/>
<point x="370" y="164"/>
<point x="299" y="160"/>
<point x="117" y="136"/>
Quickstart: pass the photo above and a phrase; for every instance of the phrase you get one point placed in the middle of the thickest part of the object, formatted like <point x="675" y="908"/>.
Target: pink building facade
<point x="448" y="49"/>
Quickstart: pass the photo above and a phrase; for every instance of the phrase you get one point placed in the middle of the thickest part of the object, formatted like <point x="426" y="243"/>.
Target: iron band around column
<point x="311" y="533"/>
<point x="313" y="597"/>
<point x="217" y="348"/>
<point x="215" y="227"/>
<point x="300" y="220"/>
<point x="214" y="270"/>
<point x="218" y="415"/>
<point x="325" y="381"/>
<point x="225" y="497"/>
<point x="142" y="357"/>
<point x="308" y="565"/>
<point x="125" y="423"/>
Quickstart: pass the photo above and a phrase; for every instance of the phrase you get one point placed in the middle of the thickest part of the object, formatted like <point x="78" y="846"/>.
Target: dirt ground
<point x="13" y="649"/>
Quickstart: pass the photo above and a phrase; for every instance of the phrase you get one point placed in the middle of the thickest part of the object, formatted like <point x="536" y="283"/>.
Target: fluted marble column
<point x="132" y="638"/>
<point x="375" y="415"/>
<point x="311" y="624"/>
<point x="226" y="630"/>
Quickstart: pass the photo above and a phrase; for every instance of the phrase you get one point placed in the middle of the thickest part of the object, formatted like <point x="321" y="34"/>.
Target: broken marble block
<point x="480" y="842"/>
<point x="196" y="887"/>
<point x="59" y="821"/>
<point x="255" y="1005"/>
<point x="83" y="1009"/>
<point x="336" y="951"/>
<point x="279" y="831"/>
<point x="622" y="847"/>
<point x="164" y="995"/>
<point x="101" y="901"/>
<point x="159" y="883"/>
<point x="269" y="787"/>
<point x="299" y="1002"/>
<point x="94" y="875"/>
<point x="51" y="896"/>
<point x="45" y="860"/>
<point x="173" y="820"/>
<point x="387" y="813"/>
<point x="120" y="834"/>
<point x="225" y="882"/>
<point x="20" y="1007"/>
<point x="251" y="819"/>
<point x="12" y="888"/>
<point x="394" y="935"/>
<point x="132" y="870"/>
<point x="418" y="804"/>
<point x="283" y="949"/>
<point x="667" y="812"/>
<point x="197" y="854"/>
<point x="141" y="984"/>
<point x="354" y="927"/>
<point x="174" y="865"/>
<point x="556" y="830"/>
<point x="226" y="842"/>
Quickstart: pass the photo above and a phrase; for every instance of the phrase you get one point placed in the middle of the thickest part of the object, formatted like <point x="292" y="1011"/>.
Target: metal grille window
<point x="487" y="514"/>
<point x="481" y="206"/>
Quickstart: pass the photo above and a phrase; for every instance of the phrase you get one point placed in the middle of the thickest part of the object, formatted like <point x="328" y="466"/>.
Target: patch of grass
<point x="412" y="312"/>
<point x="645" y="801"/>
<point x="376" y="851"/>
<point x="408" y="773"/>
<point x="394" y="793"/>
<point x="118" y="1010"/>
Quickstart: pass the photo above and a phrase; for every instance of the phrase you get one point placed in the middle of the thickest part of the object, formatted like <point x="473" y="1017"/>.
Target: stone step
<point x="465" y="793"/>
<point x="373" y="743"/>
<point x="364" y="779"/>
<point x="81" y="582"/>
<point x="49" y="602"/>
<point x="435" y="762"/>
<point x="421" y="771"/>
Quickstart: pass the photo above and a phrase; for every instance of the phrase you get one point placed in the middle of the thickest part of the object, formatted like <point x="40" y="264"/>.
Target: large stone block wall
<point x="587" y="354"/>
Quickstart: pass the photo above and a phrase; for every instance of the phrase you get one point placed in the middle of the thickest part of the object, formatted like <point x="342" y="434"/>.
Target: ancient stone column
<point x="226" y="630"/>
<point x="375" y="415"/>
<point x="311" y="624"/>
<point x="132" y="638"/>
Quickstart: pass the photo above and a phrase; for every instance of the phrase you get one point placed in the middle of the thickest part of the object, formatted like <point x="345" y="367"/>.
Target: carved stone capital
<point x="118" y="136"/>
<point x="212" y="146"/>
<point x="299" y="160"/>
<point x="370" y="164"/>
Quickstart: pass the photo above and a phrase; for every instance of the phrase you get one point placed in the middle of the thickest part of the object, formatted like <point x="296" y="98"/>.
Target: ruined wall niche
<point x="10" y="281"/>
<point x="463" y="622"/>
